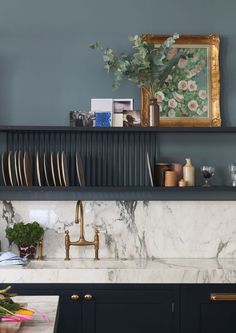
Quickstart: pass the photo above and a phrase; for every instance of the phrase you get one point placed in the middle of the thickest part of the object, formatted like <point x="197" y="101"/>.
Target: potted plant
<point x="25" y="236"/>
<point x="146" y="65"/>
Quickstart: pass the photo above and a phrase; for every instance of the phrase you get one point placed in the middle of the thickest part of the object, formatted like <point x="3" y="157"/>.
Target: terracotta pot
<point x="27" y="251"/>
<point x="178" y="168"/>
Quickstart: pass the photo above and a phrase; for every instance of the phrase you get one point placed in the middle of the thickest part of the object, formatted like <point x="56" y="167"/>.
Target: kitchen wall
<point x="133" y="229"/>
<point x="47" y="69"/>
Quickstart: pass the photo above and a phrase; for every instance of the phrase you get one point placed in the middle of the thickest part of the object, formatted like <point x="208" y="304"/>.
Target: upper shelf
<point x="6" y="129"/>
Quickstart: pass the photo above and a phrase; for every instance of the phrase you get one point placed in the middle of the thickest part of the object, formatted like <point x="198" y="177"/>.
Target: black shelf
<point x="145" y="193"/>
<point x="8" y="129"/>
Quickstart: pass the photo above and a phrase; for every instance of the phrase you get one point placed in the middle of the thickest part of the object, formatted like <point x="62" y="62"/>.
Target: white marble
<point x="132" y="230"/>
<point x="45" y="304"/>
<point x="124" y="271"/>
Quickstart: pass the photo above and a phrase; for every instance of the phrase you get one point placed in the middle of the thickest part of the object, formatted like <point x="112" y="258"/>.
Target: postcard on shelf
<point x="117" y="120"/>
<point x="103" y="119"/>
<point x="119" y="104"/>
<point x="131" y="118"/>
<point x="102" y="104"/>
<point x="82" y="119"/>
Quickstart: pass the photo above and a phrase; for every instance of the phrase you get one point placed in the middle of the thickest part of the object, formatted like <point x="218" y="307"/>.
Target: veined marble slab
<point x="124" y="271"/>
<point x="45" y="304"/>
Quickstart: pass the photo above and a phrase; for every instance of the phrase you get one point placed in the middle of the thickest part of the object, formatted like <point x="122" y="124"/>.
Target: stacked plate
<point x="16" y="169"/>
<point x="51" y="169"/>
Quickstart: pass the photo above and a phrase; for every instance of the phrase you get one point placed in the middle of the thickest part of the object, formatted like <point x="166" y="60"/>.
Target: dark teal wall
<point x="47" y="69"/>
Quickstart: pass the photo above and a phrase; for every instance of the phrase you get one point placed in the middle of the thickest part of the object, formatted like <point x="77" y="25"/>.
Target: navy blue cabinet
<point x="111" y="308"/>
<point x="208" y="308"/>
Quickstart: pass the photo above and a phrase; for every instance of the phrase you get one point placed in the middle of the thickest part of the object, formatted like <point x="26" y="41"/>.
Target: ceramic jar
<point x="170" y="179"/>
<point x="189" y="172"/>
<point x="159" y="173"/>
<point x="178" y="168"/>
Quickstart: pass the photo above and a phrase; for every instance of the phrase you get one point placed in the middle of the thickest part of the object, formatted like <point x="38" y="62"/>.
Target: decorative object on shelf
<point x="153" y="113"/>
<point x="170" y="179"/>
<point x="178" y="168"/>
<point x="159" y="173"/>
<point x="103" y="119"/>
<point x="207" y="173"/>
<point x="182" y="183"/>
<point x="147" y="66"/>
<point x="149" y="170"/>
<point x="82" y="119"/>
<point x="232" y="170"/>
<point x="190" y="95"/>
<point x="189" y="172"/>
<point x="121" y="104"/>
<point x="131" y="118"/>
<point x="26" y="237"/>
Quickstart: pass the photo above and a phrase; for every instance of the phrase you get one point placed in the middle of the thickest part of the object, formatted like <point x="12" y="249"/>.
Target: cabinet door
<point x="203" y="314"/>
<point x="69" y="311"/>
<point x="129" y="311"/>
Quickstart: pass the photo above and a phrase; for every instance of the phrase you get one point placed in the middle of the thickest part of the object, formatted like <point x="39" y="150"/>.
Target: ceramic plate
<point x="53" y="160"/>
<point x="47" y="169"/>
<point x="59" y="171"/>
<point x="20" y="168"/>
<point x="64" y="168"/>
<point x="40" y="170"/>
<point x="80" y="169"/>
<point x="5" y="173"/>
<point x="11" y="169"/>
<point x="27" y="170"/>
<point x="149" y="170"/>
<point x="16" y="168"/>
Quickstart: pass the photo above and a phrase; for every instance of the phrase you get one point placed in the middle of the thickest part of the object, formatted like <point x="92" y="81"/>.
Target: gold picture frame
<point x="209" y="114"/>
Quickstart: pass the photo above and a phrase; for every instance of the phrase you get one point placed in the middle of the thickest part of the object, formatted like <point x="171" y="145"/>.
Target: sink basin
<point x="83" y="264"/>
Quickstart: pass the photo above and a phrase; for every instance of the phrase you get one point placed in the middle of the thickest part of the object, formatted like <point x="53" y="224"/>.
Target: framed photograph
<point x="131" y="118"/>
<point x="190" y="96"/>
<point x="82" y="119"/>
<point x="119" y="105"/>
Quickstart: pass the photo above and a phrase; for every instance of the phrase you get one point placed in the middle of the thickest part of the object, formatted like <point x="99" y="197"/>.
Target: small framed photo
<point x="131" y="118"/>
<point x="103" y="119"/>
<point x="82" y="119"/>
<point x="119" y="105"/>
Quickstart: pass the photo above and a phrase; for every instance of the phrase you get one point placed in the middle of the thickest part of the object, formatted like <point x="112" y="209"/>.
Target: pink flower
<point x="159" y="96"/>
<point x="172" y="103"/>
<point x="182" y="85"/>
<point x="169" y="78"/>
<point x="182" y="63"/>
<point x="192" y="105"/>
<point x="202" y="94"/>
<point x="192" y="86"/>
<point x="171" y="53"/>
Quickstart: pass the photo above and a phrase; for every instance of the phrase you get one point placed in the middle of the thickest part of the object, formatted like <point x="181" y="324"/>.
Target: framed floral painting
<point x="190" y="96"/>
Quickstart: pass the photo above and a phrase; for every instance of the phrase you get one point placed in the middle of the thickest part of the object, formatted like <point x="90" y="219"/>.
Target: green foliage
<point x="24" y="233"/>
<point x="6" y="303"/>
<point x="146" y="65"/>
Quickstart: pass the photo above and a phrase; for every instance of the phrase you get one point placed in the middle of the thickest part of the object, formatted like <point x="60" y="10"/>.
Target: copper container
<point x="178" y="168"/>
<point x="159" y="173"/>
<point x="170" y="179"/>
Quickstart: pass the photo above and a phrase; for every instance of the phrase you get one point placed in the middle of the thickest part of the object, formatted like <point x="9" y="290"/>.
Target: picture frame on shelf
<point x="121" y="104"/>
<point x="131" y="118"/>
<point x="82" y="119"/>
<point x="191" y="96"/>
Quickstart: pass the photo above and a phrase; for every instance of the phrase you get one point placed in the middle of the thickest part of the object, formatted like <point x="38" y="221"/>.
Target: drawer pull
<point x="74" y="297"/>
<point x="222" y="297"/>
<point x="88" y="297"/>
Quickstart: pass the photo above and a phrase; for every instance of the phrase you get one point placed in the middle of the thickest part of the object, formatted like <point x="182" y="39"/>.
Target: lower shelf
<point x="214" y="193"/>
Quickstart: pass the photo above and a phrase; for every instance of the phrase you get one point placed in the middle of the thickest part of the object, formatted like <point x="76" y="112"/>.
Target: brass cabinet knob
<point x="74" y="297"/>
<point x="88" y="297"/>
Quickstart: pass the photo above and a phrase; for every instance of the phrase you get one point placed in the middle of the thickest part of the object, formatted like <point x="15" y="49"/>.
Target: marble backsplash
<point x="132" y="229"/>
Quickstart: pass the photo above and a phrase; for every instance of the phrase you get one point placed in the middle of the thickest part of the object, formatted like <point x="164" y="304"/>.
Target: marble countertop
<point x="45" y="304"/>
<point x="123" y="271"/>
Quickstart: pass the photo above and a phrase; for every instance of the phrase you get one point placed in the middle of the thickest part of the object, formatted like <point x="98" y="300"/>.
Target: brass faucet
<point x="79" y="217"/>
<point x="40" y="250"/>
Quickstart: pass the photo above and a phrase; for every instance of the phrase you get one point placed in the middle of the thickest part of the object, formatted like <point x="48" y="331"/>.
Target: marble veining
<point x="132" y="230"/>
<point x="124" y="271"/>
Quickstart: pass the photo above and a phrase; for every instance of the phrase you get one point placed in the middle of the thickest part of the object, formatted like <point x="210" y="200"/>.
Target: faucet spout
<point x="79" y="217"/>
